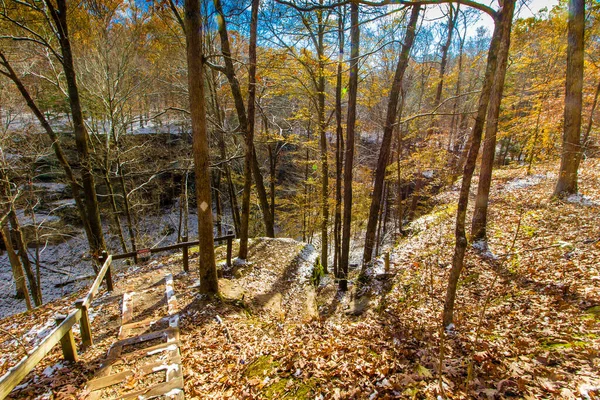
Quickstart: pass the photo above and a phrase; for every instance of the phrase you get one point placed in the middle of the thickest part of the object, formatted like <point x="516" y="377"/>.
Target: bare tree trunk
<point x="386" y="143"/>
<point x="273" y="155"/>
<point x="218" y="206"/>
<point x="243" y="253"/>
<point x="81" y="135"/>
<point x="128" y="216"/>
<point x="471" y="159"/>
<point x="262" y="195"/>
<point x="193" y="28"/>
<point x="452" y="17"/>
<point x="322" y="140"/>
<point x="56" y="146"/>
<point x="479" y="221"/>
<point x="349" y="159"/>
<point x="339" y="148"/>
<point x="21" y="245"/>
<point x="535" y="138"/>
<point x="17" y="267"/>
<point x="236" y="92"/>
<point x="235" y="210"/>
<point x="113" y="205"/>
<point x="571" y="152"/>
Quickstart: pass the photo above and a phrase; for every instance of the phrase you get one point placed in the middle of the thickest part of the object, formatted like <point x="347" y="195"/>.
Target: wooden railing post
<point x="229" y="247"/>
<point x="108" y="276"/>
<point x="84" y="323"/>
<point x="387" y="262"/>
<point x="186" y="265"/>
<point x="67" y="341"/>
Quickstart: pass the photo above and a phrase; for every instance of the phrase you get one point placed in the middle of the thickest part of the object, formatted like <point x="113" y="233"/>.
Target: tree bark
<point x="236" y="92"/>
<point x="193" y="28"/>
<point x="322" y="140"/>
<point x="81" y="135"/>
<point x="386" y="143"/>
<point x="479" y="221"/>
<point x="56" y="146"/>
<point x="17" y="268"/>
<point x="469" y="168"/>
<point x="571" y="150"/>
<point x="339" y="148"/>
<point x="349" y="158"/>
<point x="452" y="17"/>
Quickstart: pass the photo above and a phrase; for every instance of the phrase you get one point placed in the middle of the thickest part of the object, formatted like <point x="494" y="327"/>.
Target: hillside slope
<point x="527" y="313"/>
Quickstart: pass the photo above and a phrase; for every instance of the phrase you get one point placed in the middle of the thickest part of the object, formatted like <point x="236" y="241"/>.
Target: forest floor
<point x="527" y="320"/>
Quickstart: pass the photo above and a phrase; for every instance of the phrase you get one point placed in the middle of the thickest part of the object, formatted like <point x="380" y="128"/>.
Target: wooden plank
<point x="110" y="380"/>
<point x="156" y="390"/>
<point x="166" y="333"/>
<point x="172" y="348"/>
<point x="106" y="381"/>
<point x="16" y="374"/>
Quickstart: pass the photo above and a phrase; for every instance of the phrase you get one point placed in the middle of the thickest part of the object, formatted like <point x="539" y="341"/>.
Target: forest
<point x="378" y="198"/>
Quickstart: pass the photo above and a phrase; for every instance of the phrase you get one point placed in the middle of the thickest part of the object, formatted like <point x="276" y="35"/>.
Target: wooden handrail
<point x="176" y="246"/>
<point x="16" y="374"/>
<point x="96" y="285"/>
<point x="63" y="332"/>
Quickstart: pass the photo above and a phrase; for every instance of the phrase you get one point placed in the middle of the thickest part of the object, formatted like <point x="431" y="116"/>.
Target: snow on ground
<point x="65" y="261"/>
<point x="528" y="181"/>
<point x="581" y="200"/>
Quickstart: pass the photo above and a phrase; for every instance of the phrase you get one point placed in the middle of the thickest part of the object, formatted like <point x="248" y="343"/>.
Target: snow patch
<point x="528" y="181"/>
<point x="171" y="347"/>
<point x="581" y="200"/>
<point x="239" y="262"/>
<point x="306" y="263"/>
<point x="482" y="247"/>
<point x="173" y="393"/>
<point x="51" y="369"/>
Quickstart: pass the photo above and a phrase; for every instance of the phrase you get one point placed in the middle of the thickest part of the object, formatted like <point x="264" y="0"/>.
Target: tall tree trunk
<point x="21" y="245"/>
<point x="571" y="151"/>
<point x="113" y="205"/>
<point x="126" y="206"/>
<point x="349" y="159"/>
<point x="262" y="195"/>
<point x="81" y="135"/>
<point x="218" y="206"/>
<point x="452" y="17"/>
<point x="479" y="222"/>
<point x="17" y="267"/>
<point x="322" y="140"/>
<point x="235" y="210"/>
<point x="218" y="112"/>
<point x="386" y="143"/>
<point x="471" y="159"/>
<point x="250" y="151"/>
<point x="339" y="148"/>
<point x="536" y="133"/>
<point x="193" y="28"/>
<point x="236" y="92"/>
<point x="56" y="146"/>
